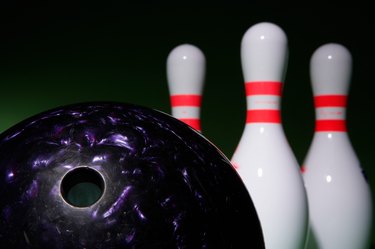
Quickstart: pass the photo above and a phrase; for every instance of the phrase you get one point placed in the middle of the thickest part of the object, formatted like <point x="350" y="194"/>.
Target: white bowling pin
<point x="186" y="66"/>
<point x="263" y="157"/>
<point x="338" y="194"/>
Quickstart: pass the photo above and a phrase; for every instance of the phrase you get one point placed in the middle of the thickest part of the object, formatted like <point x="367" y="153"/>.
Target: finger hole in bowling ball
<point x="82" y="187"/>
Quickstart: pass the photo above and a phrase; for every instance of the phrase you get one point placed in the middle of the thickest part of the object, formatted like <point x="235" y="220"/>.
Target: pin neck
<point x="330" y="112"/>
<point x="263" y="102"/>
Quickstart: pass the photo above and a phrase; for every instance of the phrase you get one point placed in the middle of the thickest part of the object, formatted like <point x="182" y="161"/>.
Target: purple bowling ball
<point x="112" y="175"/>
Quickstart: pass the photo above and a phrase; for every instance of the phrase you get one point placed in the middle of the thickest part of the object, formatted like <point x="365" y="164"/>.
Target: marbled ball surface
<point x="163" y="184"/>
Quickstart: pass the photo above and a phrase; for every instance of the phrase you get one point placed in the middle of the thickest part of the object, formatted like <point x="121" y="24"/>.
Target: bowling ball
<point x="113" y="175"/>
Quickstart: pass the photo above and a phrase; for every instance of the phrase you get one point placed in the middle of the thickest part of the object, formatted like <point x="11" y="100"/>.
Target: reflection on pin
<point x="329" y="178"/>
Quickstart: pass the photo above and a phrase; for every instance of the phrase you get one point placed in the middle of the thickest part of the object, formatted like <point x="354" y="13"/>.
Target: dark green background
<point x="52" y="54"/>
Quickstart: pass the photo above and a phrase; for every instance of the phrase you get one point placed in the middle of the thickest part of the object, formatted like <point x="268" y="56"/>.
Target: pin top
<point x="186" y="66"/>
<point x="330" y="70"/>
<point x="264" y="52"/>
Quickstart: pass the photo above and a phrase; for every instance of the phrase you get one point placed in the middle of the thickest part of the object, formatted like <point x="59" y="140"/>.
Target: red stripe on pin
<point x="263" y="116"/>
<point x="186" y="100"/>
<point x="263" y="88"/>
<point x="330" y="125"/>
<point x="195" y="123"/>
<point x="330" y="101"/>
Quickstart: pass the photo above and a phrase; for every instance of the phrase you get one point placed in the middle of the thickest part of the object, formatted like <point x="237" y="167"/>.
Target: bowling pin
<point x="186" y="66"/>
<point x="263" y="158"/>
<point x="338" y="193"/>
